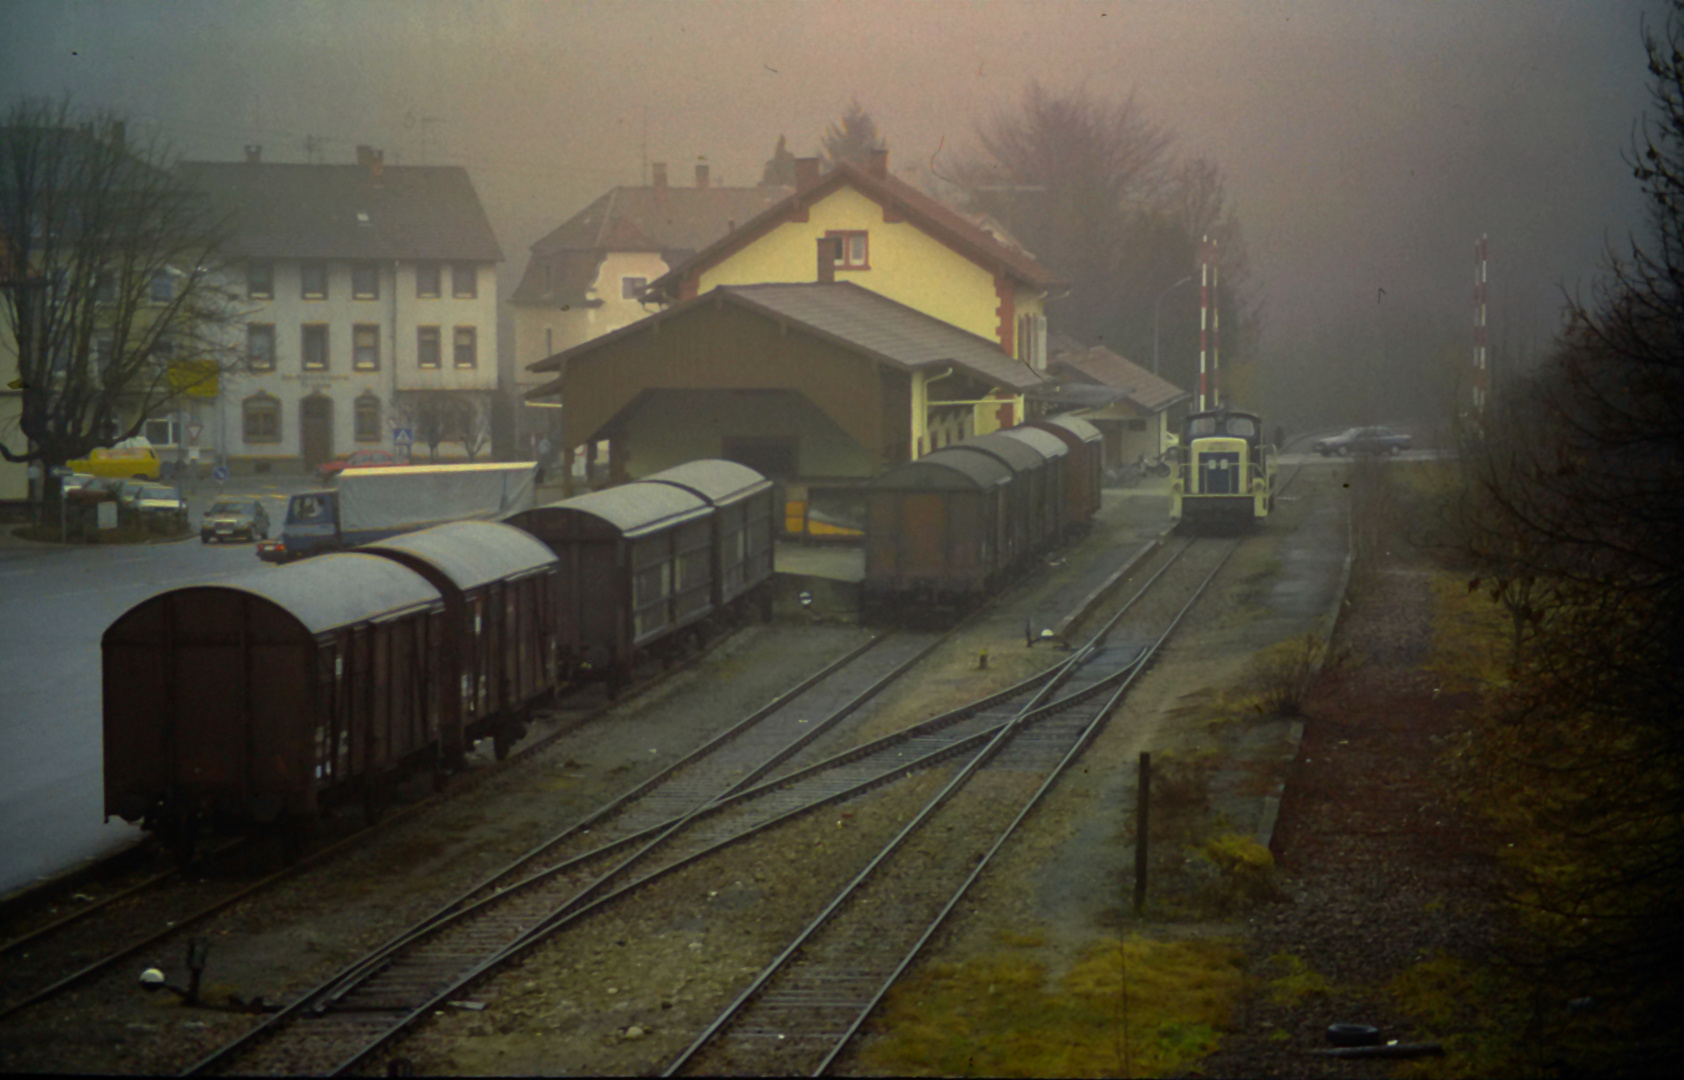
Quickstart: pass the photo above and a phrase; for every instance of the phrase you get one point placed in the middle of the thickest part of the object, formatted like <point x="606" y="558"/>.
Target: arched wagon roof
<point x="721" y="483"/>
<point x="946" y="470"/>
<point x="320" y="594"/>
<point x="471" y="553"/>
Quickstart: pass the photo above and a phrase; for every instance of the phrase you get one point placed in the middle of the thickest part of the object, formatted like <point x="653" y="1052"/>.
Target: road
<point x="55" y="602"/>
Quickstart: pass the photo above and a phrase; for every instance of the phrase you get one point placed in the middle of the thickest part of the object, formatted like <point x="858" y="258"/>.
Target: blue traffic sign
<point x="403" y="435"/>
<point x="220" y="473"/>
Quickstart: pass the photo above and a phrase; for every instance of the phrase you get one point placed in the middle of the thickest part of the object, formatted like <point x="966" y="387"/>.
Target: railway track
<point x="364" y="1003"/>
<point x="805" y="1007"/>
<point x="61" y="954"/>
<point x="750" y="778"/>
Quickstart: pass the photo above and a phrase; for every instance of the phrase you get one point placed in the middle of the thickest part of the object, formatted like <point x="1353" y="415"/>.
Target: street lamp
<point x="1155" y="306"/>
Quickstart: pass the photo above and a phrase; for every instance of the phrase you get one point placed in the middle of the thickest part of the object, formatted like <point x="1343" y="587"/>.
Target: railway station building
<point x="1136" y="411"/>
<point x="855" y="324"/>
<point x="587" y="277"/>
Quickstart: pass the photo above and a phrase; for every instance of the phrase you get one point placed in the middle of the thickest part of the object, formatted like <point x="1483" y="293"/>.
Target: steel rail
<point x="322" y="999"/>
<point x="1002" y="736"/>
<point x="577" y="908"/>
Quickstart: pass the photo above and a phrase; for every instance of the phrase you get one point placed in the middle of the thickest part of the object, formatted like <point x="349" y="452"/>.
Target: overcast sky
<point x="1367" y="145"/>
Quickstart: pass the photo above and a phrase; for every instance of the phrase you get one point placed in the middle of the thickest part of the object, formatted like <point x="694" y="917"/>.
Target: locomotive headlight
<point x="806" y="599"/>
<point x="151" y="979"/>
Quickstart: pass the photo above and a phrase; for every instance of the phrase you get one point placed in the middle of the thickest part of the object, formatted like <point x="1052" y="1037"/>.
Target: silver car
<point x="235" y="519"/>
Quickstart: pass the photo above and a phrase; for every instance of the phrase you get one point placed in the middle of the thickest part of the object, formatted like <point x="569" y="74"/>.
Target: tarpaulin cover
<point x="412" y="497"/>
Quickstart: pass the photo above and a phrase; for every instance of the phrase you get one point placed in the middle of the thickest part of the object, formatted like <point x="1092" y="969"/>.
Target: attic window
<point x="855" y="253"/>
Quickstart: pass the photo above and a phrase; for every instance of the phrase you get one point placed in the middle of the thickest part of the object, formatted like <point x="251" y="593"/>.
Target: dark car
<point x="1362" y="440"/>
<point x="235" y="519"/>
<point x="357" y="459"/>
<point x="161" y="507"/>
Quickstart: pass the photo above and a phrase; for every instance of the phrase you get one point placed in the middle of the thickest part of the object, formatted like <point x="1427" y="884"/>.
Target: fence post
<point x="1143" y="830"/>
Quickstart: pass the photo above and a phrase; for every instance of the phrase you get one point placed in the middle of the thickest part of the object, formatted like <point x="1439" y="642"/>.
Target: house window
<point x="467" y="353"/>
<point x="260" y="419"/>
<point x="427" y="280"/>
<point x="365" y="347"/>
<point x="631" y="288"/>
<point x="855" y="251"/>
<point x="365" y="281"/>
<point x="315" y="347"/>
<point x="427" y="347"/>
<point x="162" y="287"/>
<point x="464" y="281"/>
<point x="260" y="346"/>
<point x="260" y="280"/>
<point x="367" y="418"/>
<point x="312" y="278"/>
<point x="161" y="432"/>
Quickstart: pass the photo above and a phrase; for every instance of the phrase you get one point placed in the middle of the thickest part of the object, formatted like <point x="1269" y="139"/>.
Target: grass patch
<point x="1297" y="981"/>
<point x="1470" y="647"/>
<point x="1245" y="874"/>
<point x="1134" y="1008"/>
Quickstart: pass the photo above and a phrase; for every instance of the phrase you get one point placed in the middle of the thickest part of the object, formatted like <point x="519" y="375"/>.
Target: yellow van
<point x="129" y="459"/>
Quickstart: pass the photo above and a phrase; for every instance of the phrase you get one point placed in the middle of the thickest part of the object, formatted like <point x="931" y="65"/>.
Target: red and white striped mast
<point x="1210" y="328"/>
<point x="1481" y="357"/>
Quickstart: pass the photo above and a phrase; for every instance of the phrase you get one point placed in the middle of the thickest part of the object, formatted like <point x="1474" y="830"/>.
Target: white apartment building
<point x="370" y="298"/>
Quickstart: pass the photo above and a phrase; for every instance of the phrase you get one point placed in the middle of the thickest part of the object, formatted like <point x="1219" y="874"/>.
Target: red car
<point x="357" y="459"/>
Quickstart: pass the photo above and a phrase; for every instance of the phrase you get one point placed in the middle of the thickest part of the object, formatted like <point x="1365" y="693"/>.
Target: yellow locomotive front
<point x="1227" y="473"/>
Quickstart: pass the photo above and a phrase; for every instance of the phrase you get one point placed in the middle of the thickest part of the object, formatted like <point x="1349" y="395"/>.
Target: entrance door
<point x="315" y="420"/>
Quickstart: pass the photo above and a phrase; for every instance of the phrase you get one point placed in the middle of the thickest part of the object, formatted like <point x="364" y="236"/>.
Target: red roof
<point x="1103" y="367"/>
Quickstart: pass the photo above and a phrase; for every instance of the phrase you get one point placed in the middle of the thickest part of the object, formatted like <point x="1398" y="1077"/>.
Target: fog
<point x="1366" y="145"/>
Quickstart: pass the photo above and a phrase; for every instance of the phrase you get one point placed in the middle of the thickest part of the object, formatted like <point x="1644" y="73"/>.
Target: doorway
<point x="315" y="422"/>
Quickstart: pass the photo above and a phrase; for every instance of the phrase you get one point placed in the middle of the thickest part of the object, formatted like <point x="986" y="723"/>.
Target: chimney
<point x="806" y="172"/>
<point x="701" y="176"/>
<point x="254" y="154"/>
<point x="658" y="169"/>
<point x="879" y="163"/>
<point x="828" y="251"/>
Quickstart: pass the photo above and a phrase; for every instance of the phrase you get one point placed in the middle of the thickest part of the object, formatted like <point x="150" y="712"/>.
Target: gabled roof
<point x="941" y="221"/>
<point x="674" y="221"/>
<point x="1100" y="366"/>
<point x="849" y="315"/>
<point x="318" y="211"/>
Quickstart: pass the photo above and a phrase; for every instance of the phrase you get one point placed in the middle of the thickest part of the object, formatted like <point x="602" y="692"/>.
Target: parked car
<point x="161" y="507"/>
<point x="357" y="459"/>
<point x="129" y="459"/>
<point x="1362" y="440"/>
<point x="128" y="495"/>
<point x="230" y="519"/>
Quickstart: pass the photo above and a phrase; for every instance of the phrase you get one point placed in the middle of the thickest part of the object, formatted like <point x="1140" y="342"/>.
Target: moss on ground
<point x="1126" y="1008"/>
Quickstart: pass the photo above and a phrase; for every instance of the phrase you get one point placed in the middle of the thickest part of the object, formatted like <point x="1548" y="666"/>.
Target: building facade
<point x="371" y="314"/>
<point x="587" y="277"/>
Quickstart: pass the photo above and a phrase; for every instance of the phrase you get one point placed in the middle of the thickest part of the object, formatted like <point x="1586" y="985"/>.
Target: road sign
<point x="220" y="473"/>
<point x="403" y="436"/>
<point x="194" y="431"/>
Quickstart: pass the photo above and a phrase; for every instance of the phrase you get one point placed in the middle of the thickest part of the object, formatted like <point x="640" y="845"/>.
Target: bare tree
<point x="1575" y="512"/>
<point x="111" y="286"/>
<point x="1093" y="188"/>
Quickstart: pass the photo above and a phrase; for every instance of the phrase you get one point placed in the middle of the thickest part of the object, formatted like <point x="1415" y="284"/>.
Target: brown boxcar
<point x="271" y="693"/>
<point x="1084" y="468"/>
<point x="744" y="516"/>
<point x="636" y="567"/>
<point x="1026" y="524"/>
<point x="499" y="586"/>
<point x="1054" y="504"/>
<point x="938" y="530"/>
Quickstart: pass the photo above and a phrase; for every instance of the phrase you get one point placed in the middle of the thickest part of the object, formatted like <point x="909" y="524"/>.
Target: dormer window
<point x="855" y="249"/>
